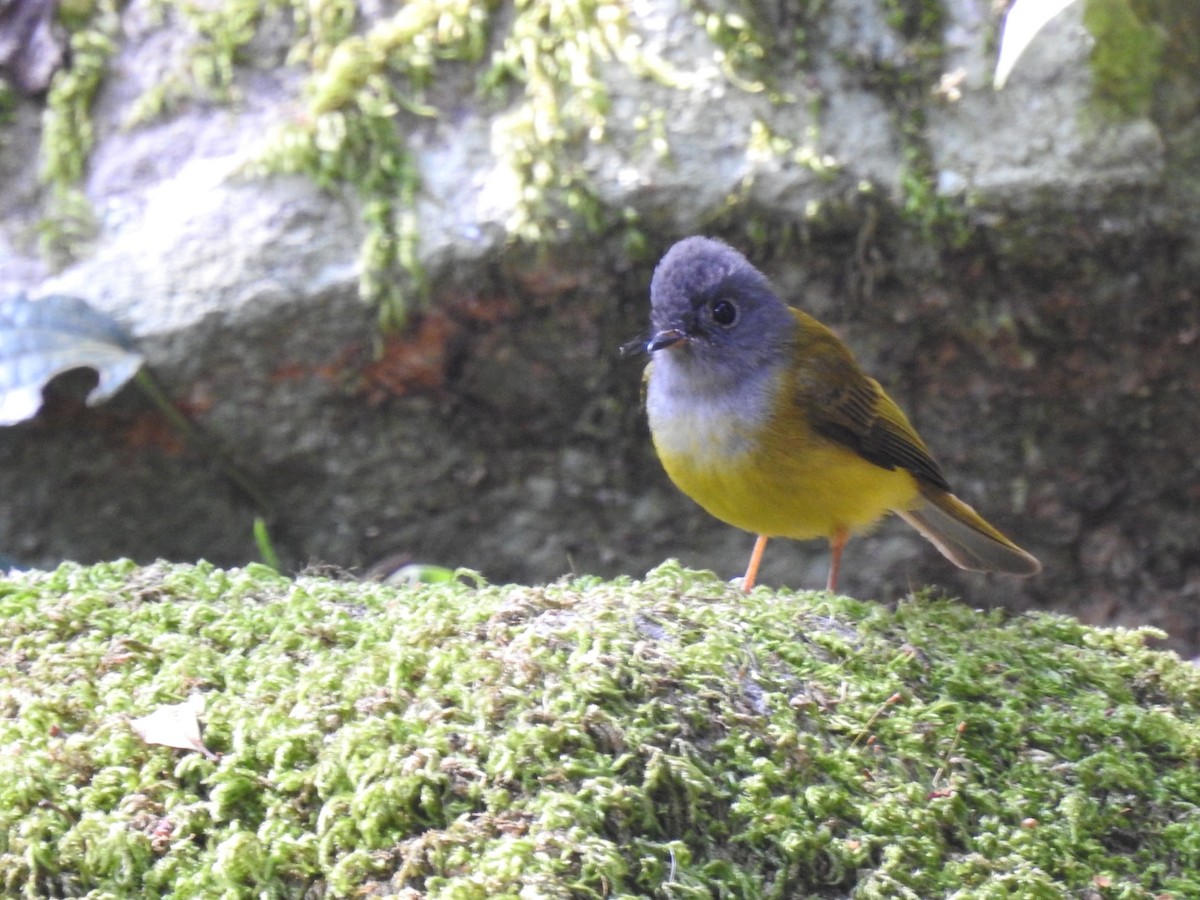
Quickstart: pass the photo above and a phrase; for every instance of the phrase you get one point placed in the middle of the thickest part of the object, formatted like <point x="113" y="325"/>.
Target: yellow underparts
<point x="787" y="481"/>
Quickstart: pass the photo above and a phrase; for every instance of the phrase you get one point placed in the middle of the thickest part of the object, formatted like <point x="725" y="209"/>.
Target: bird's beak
<point x="668" y="337"/>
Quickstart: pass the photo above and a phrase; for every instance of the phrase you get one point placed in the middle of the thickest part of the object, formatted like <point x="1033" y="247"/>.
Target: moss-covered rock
<point x="671" y="737"/>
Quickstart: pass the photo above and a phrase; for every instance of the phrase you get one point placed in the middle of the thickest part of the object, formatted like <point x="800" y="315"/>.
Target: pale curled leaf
<point x="1024" y="20"/>
<point x="175" y="725"/>
<point x="40" y="339"/>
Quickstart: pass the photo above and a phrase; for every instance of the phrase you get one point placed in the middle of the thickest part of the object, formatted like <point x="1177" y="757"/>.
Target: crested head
<point x="715" y="311"/>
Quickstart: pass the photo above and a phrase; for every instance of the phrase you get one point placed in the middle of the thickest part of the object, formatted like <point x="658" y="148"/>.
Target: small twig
<point x="890" y="701"/>
<point x="204" y="443"/>
<point x="958" y="733"/>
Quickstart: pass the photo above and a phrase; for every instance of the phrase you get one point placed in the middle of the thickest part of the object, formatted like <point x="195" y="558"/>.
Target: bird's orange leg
<point x="760" y="544"/>
<point x="837" y="543"/>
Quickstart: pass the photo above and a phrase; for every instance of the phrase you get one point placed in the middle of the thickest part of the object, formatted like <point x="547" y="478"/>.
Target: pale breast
<point x="694" y="418"/>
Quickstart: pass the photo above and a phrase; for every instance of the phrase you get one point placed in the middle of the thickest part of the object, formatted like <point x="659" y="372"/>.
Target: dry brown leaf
<point x="175" y="725"/>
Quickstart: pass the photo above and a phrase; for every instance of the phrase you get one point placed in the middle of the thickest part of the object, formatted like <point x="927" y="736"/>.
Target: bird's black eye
<point x="724" y="313"/>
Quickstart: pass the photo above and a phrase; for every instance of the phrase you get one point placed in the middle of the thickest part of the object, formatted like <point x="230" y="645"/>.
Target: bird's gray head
<point x="715" y="312"/>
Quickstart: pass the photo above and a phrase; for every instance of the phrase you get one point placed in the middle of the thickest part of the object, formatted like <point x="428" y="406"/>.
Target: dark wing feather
<point x="850" y="408"/>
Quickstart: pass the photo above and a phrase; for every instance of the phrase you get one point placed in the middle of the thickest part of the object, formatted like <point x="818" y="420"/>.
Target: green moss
<point x="757" y="42"/>
<point x="585" y="739"/>
<point x="67" y="133"/>
<point x="909" y="86"/>
<point x="941" y="220"/>
<point x="741" y="48"/>
<point x="369" y="85"/>
<point x="8" y="101"/>
<point x="539" y="66"/>
<point x="1146" y="59"/>
<point x="765" y="143"/>
<point x="551" y="59"/>
<point x="541" y="71"/>
<point x="915" y="20"/>
<point x="206" y="70"/>
<point x="1126" y="58"/>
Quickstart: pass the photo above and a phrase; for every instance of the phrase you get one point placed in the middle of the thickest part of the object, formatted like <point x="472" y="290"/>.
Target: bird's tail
<point x="963" y="537"/>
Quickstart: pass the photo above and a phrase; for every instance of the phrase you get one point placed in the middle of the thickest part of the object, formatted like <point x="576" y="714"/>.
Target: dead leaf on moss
<point x="176" y="725"/>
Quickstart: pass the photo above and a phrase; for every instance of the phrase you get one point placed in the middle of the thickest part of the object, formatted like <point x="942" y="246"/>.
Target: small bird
<point x="762" y="415"/>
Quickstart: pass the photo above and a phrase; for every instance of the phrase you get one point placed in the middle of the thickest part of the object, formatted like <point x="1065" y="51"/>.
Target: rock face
<point x="1017" y="267"/>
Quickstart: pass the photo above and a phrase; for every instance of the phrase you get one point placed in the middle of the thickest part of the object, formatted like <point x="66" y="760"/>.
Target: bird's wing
<point x="847" y="406"/>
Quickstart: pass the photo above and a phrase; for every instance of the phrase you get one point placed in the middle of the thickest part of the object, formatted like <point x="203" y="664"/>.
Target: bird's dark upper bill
<point x="668" y="338"/>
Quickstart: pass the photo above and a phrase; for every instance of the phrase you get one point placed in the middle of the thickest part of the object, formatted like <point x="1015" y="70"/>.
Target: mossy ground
<point x="669" y="738"/>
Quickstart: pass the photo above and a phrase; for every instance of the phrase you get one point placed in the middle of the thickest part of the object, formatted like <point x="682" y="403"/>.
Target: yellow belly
<point x="789" y="485"/>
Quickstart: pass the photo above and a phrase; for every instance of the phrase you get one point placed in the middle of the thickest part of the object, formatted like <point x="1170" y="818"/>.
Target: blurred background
<point x="381" y="256"/>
